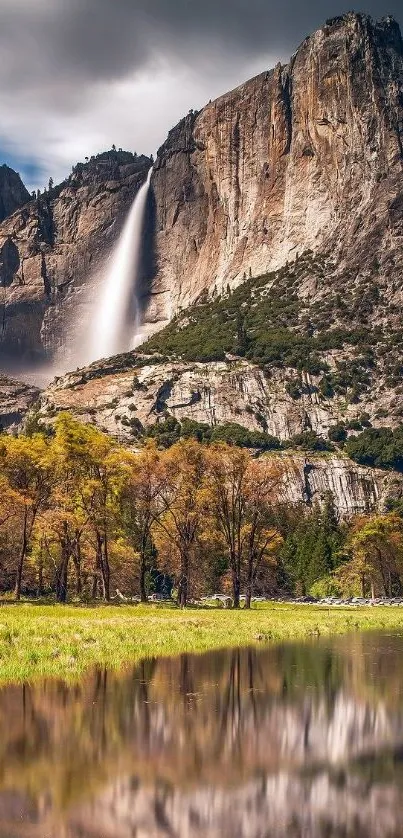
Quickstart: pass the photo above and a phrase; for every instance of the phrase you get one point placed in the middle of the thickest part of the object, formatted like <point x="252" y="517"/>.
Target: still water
<point x="298" y="740"/>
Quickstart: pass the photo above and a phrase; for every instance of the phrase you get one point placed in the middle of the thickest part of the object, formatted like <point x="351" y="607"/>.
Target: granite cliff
<point x="13" y="193"/>
<point x="307" y="156"/>
<point x="127" y="393"/>
<point x="16" y="399"/>
<point x="274" y="271"/>
<point x="53" y="246"/>
<point x="304" y="157"/>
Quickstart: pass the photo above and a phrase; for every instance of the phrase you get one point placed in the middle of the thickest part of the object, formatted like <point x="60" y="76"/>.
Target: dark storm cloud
<point x="79" y="75"/>
<point x="100" y="40"/>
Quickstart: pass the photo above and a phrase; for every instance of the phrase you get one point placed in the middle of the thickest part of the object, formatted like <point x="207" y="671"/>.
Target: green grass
<point x="48" y="640"/>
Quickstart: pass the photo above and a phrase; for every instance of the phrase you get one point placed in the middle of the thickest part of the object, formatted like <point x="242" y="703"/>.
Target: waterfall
<point x="115" y="319"/>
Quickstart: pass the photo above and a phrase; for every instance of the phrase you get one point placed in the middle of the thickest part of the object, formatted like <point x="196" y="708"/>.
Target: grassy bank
<point x="38" y="640"/>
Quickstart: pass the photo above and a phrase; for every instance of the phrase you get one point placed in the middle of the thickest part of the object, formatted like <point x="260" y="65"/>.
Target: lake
<point x="294" y="740"/>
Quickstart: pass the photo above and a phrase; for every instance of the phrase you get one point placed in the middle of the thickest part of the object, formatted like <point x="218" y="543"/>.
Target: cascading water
<point x="115" y="320"/>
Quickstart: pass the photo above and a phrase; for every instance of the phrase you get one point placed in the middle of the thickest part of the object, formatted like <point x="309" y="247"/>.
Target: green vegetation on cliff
<point x="274" y="321"/>
<point x="260" y="321"/>
<point x="378" y="447"/>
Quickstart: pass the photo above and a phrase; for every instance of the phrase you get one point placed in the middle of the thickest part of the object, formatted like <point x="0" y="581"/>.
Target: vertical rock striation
<point x="306" y="156"/>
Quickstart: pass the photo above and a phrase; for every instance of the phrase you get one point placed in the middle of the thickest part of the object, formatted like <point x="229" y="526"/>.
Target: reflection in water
<point x="293" y="741"/>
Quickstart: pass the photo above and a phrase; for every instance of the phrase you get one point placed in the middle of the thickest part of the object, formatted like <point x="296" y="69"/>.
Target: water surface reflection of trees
<point x="211" y="721"/>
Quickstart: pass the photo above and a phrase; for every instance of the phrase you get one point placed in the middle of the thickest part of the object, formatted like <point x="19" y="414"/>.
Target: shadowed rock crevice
<point x="9" y="262"/>
<point x="149" y="264"/>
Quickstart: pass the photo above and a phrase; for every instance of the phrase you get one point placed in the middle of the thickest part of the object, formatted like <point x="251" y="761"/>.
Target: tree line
<point x="82" y="517"/>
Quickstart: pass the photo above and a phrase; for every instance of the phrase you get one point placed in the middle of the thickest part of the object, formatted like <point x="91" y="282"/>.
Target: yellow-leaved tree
<point x="376" y="564"/>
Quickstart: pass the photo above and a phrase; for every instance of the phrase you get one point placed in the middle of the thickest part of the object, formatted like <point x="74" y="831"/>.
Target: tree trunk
<point x="103" y="565"/>
<point x="183" y="581"/>
<point x="62" y="571"/>
<point x="40" y="576"/>
<point x="143" y="569"/>
<point x="21" y="560"/>
<point x="106" y="573"/>
<point x="61" y="581"/>
<point x="77" y="563"/>
<point x="236" y="587"/>
<point x="249" y="582"/>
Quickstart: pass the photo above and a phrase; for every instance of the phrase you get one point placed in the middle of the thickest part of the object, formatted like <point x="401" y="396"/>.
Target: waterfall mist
<point x="103" y="317"/>
<point x="116" y="316"/>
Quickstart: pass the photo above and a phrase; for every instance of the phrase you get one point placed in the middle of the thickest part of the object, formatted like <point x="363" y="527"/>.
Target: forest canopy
<point x="83" y="518"/>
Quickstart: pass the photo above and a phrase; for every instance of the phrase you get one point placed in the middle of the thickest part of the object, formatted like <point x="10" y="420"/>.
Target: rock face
<point x="16" y="399"/>
<point x="122" y="392"/>
<point x="54" y="245"/>
<point x="13" y="193"/>
<point x="306" y="156"/>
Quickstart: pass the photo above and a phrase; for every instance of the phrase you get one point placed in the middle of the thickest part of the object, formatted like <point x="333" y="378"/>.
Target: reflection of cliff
<point x="285" y="805"/>
<point x="174" y="746"/>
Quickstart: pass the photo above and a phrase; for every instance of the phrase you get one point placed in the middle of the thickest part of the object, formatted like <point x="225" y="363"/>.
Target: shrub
<point x="378" y="447"/>
<point x="310" y="441"/>
<point x="235" y="434"/>
<point x="293" y="389"/>
<point x="337" y="433"/>
<point x="328" y="586"/>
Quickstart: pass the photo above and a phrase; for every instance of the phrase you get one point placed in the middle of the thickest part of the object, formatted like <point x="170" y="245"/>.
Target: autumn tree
<point x="142" y="502"/>
<point x="26" y="466"/>
<point x="92" y="464"/>
<point x="242" y="493"/>
<point x="261" y="542"/>
<point x="183" y="500"/>
<point x="376" y="564"/>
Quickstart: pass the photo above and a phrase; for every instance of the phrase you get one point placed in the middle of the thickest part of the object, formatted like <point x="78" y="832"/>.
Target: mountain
<point x="53" y="245"/>
<point x="273" y="285"/>
<point x="304" y="158"/>
<point x="13" y="193"/>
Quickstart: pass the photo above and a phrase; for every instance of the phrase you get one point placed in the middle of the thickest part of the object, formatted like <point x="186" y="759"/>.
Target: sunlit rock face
<point x="306" y="156"/>
<point x="118" y="393"/>
<point x="55" y="245"/>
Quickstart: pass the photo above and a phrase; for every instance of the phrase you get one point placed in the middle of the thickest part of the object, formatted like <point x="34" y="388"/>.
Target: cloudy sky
<point x="79" y="75"/>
